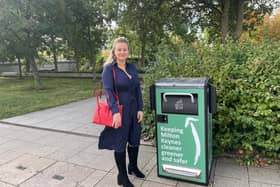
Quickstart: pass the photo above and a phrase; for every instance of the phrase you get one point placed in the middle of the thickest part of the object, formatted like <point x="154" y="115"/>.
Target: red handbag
<point x="103" y="114"/>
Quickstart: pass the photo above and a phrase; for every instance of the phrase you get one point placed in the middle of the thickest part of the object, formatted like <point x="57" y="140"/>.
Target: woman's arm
<point x="108" y="86"/>
<point x="139" y="98"/>
<point x="139" y="102"/>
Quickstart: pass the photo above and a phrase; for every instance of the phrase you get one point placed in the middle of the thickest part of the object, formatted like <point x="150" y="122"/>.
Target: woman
<point x="126" y="130"/>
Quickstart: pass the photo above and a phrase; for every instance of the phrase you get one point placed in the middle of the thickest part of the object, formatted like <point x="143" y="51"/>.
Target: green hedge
<point x="247" y="78"/>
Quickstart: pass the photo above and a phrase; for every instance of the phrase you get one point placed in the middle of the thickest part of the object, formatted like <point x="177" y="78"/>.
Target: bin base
<point x="182" y="171"/>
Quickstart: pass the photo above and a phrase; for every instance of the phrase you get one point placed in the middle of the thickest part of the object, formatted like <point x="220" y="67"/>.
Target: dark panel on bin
<point x="152" y="97"/>
<point x="212" y="99"/>
<point x="179" y="104"/>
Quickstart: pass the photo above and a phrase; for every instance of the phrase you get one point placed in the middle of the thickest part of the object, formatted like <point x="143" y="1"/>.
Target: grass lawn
<point x="18" y="96"/>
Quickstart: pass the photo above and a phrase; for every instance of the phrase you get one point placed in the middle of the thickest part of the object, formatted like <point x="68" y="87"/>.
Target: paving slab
<point x="10" y="155"/>
<point x="257" y="184"/>
<point x="229" y="182"/>
<point x="109" y="180"/>
<point x="22" y="168"/>
<point x="93" y="179"/>
<point x="38" y="150"/>
<point x="264" y="175"/>
<point x="150" y="165"/>
<point x="12" y="145"/>
<point x="102" y="162"/>
<point x="62" y="154"/>
<point x="154" y="178"/>
<point x="231" y="170"/>
<point x="148" y="148"/>
<point x="29" y="135"/>
<point x="53" y="139"/>
<point x="186" y="184"/>
<point x="156" y="184"/>
<point x="273" y="166"/>
<point x="6" y="131"/>
<point x="144" y="158"/>
<point x="60" y="174"/>
<point x="2" y="184"/>
<point x="72" y="142"/>
<point x="227" y="160"/>
<point x="4" y="140"/>
<point x="137" y="182"/>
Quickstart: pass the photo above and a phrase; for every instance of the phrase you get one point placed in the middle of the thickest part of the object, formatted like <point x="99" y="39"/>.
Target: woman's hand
<point x="117" y="120"/>
<point x="140" y="116"/>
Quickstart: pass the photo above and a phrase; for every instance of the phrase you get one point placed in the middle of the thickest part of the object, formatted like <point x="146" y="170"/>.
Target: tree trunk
<point x="224" y="20"/>
<point x="91" y="54"/>
<point x="142" y="59"/>
<point x="53" y="48"/>
<point x="27" y="65"/>
<point x="240" y="16"/>
<point x="93" y="68"/>
<point x="92" y="63"/>
<point x="37" y="80"/>
<point x="19" y="67"/>
<point x="77" y="60"/>
<point x="143" y="46"/>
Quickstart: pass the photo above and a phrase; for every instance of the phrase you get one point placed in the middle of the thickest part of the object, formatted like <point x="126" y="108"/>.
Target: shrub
<point x="247" y="80"/>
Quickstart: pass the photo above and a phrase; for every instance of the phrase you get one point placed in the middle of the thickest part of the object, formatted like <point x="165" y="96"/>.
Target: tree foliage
<point x="270" y="27"/>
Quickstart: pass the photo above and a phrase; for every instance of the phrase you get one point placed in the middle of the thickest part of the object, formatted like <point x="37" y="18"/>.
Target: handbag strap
<point x="99" y="92"/>
<point x="115" y="86"/>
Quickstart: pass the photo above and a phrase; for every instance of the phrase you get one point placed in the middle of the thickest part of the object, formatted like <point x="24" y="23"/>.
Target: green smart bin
<point x="184" y="109"/>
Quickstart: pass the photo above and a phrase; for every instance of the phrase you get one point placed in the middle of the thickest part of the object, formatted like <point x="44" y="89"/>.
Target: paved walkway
<point x="58" y="147"/>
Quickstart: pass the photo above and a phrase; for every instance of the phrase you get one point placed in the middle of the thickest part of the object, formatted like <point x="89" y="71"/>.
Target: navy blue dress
<point x="131" y="98"/>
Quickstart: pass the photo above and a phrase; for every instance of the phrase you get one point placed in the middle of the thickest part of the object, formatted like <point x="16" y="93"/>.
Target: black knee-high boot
<point x="121" y="164"/>
<point x="132" y="166"/>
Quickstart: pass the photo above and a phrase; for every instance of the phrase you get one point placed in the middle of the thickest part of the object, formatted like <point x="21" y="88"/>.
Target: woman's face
<point x="121" y="51"/>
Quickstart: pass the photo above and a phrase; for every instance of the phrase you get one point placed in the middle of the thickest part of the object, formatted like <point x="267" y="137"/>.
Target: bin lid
<point x="195" y="82"/>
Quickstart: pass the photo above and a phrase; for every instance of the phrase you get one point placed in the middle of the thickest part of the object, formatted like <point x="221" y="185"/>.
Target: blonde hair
<point x="111" y="56"/>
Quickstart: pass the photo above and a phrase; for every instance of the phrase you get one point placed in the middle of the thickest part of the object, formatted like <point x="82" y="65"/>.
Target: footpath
<point x="57" y="147"/>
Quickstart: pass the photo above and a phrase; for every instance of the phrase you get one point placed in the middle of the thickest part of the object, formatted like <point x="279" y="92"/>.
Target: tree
<point x="224" y="19"/>
<point x="220" y="17"/>
<point x="270" y="27"/>
<point x="239" y="19"/>
<point x="53" y="21"/>
<point x="144" y="18"/>
<point x="20" y="26"/>
<point x="84" y="29"/>
<point x="9" y="51"/>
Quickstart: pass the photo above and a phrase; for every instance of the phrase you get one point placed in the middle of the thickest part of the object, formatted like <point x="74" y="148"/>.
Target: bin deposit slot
<point x="182" y="171"/>
<point x="179" y="103"/>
